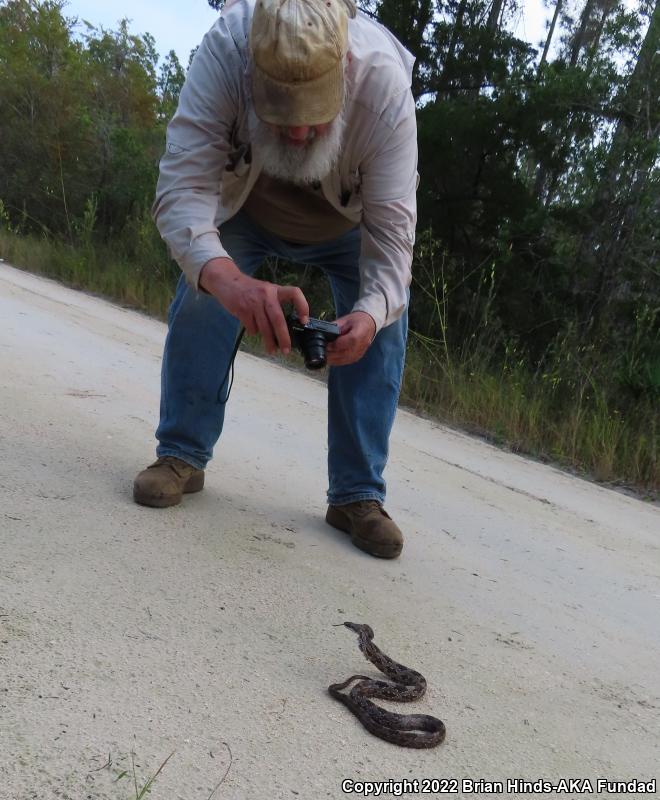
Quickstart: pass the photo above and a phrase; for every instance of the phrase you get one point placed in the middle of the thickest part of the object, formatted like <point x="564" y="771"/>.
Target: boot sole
<point x="195" y="483"/>
<point x="338" y="520"/>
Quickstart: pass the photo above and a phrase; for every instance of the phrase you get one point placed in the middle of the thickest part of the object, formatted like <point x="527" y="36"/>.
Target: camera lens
<point x="314" y="350"/>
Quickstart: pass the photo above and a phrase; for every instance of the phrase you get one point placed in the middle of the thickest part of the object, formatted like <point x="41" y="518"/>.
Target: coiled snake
<point x="407" y="730"/>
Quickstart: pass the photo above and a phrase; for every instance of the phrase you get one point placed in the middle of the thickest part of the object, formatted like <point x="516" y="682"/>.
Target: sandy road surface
<point x="528" y="598"/>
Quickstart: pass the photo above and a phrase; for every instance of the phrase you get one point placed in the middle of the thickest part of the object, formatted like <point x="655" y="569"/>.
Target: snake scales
<point x="407" y="730"/>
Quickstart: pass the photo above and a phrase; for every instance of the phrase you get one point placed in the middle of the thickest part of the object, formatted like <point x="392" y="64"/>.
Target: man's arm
<point x="389" y="217"/>
<point x="188" y="193"/>
<point x="198" y="143"/>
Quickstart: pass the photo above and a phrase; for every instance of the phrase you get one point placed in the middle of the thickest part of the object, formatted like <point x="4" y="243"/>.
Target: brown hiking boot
<point x="370" y="526"/>
<point x="164" y="482"/>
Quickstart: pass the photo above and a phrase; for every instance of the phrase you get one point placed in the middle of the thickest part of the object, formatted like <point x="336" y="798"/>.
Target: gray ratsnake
<point x="407" y="730"/>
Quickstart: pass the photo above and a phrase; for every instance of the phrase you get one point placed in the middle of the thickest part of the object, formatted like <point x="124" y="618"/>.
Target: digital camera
<point x="312" y="338"/>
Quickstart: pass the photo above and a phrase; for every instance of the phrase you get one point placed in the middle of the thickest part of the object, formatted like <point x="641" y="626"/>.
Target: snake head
<point x="367" y="630"/>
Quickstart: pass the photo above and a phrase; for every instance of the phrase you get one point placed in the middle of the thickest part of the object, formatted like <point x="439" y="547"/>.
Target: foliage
<point x="82" y="121"/>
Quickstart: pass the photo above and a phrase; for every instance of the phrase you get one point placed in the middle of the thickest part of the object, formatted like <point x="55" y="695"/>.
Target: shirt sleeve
<point x="389" y="216"/>
<point x="197" y="146"/>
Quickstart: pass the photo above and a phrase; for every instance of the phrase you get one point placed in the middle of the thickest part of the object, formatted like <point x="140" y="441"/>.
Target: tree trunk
<point x="581" y="34"/>
<point x="496" y="9"/>
<point x="551" y="32"/>
<point x="612" y="219"/>
<point x="494" y="15"/>
<point x="642" y="98"/>
<point x="608" y="7"/>
<point x="446" y="77"/>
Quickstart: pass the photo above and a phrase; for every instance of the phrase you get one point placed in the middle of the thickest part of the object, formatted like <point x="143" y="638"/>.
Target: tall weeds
<point x="133" y="269"/>
<point x="565" y="405"/>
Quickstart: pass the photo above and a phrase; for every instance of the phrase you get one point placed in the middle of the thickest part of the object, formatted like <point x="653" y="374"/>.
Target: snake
<point x="406" y="730"/>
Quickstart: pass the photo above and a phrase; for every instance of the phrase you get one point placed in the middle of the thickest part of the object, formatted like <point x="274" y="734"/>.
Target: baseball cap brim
<point x="312" y="102"/>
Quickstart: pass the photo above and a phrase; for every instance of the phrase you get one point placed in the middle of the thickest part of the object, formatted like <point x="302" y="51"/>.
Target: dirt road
<point x="528" y="598"/>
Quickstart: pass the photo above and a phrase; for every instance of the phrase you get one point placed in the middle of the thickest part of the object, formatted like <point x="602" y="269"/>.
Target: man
<point x="295" y="136"/>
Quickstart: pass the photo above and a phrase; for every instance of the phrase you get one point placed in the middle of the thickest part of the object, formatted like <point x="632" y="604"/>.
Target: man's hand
<point x="357" y="332"/>
<point x="257" y="304"/>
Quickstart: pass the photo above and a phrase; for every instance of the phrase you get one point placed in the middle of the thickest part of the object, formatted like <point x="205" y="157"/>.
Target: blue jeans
<point x="362" y="397"/>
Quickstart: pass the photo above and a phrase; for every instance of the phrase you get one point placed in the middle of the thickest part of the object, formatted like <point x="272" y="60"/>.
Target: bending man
<point x="294" y="137"/>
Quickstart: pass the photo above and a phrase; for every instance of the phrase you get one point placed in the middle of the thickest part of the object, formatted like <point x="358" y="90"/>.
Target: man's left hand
<point x="357" y="332"/>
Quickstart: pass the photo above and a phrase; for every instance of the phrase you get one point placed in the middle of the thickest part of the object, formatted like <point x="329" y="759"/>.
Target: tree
<point x="624" y="193"/>
<point x="551" y="31"/>
<point x="170" y="82"/>
<point x="82" y="117"/>
<point x="45" y="128"/>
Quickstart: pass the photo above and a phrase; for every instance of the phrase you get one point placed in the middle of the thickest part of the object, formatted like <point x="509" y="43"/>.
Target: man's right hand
<point x="256" y="304"/>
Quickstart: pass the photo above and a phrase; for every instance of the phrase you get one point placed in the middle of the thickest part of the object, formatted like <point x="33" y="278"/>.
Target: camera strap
<point x="230" y="367"/>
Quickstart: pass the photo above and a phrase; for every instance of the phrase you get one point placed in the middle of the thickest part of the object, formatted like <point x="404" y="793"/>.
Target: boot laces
<point x="364" y="507"/>
<point x="172" y="462"/>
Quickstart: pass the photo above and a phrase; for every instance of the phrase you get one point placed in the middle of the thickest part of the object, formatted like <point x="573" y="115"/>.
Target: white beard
<point x="299" y="164"/>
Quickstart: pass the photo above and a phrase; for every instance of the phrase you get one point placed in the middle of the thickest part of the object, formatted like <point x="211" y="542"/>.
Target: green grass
<point x="141" y="791"/>
<point x="99" y="269"/>
<point x="527" y="414"/>
<point x="566" y="418"/>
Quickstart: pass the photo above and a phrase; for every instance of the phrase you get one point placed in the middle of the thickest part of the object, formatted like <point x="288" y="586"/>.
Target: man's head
<point x="298" y="50"/>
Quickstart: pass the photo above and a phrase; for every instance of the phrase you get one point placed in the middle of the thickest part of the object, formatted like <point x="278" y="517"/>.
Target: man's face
<point x="300" y="154"/>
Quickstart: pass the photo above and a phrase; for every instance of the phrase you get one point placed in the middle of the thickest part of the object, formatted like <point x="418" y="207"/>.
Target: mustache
<point x="300" y="162"/>
<point x="310" y="137"/>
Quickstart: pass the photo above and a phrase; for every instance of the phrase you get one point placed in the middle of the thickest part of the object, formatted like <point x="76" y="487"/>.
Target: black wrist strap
<point x="230" y="367"/>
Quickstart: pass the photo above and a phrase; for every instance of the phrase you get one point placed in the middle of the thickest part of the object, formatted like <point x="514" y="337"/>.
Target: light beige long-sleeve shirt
<point x="209" y="167"/>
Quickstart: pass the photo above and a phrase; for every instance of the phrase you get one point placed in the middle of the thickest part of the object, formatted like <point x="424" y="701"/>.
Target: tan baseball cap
<point x="298" y="49"/>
